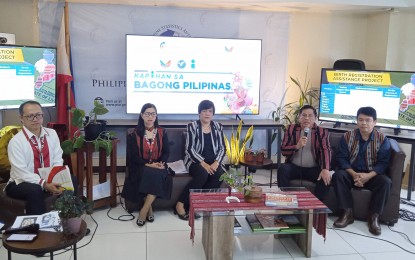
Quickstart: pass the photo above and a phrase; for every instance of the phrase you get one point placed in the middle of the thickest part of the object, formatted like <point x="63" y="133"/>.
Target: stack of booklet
<point x="281" y="200"/>
<point x="285" y="224"/>
<point x="49" y="221"/>
<point x="271" y="222"/>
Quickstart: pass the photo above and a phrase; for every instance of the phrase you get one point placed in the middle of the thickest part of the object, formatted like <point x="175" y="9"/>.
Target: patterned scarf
<point x="40" y="154"/>
<point x="151" y="151"/>
<point x="375" y="141"/>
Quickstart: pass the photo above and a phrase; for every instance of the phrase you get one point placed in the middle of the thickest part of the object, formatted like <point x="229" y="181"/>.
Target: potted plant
<point x="235" y="179"/>
<point x="235" y="147"/>
<point x="288" y="113"/>
<point x="260" y="155"/>
<point x="308" y="96"/>
<point x="252" y="193"/>
<point x="249" y="155"/>
<point x="71" y="208"/>
<point x="235" y="151"/>
<point x="92" y="126"/>
<point x="100" y="138"/>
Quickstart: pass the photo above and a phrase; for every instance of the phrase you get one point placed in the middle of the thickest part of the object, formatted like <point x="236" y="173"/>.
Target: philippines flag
<point x="64" y="78"/>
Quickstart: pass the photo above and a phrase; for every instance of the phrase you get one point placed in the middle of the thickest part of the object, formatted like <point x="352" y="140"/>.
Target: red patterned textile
<point x="215" y="202"/>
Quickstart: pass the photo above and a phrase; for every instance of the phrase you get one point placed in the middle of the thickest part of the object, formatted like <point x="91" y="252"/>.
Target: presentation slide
<point x="27" y="73"/>
<point x="391" y="93"/>
<point x="176" y="73"/>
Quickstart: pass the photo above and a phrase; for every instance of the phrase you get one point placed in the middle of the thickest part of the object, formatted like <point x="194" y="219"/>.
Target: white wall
<point x="401" y="42"/>
<point x="377" y="40"/>
<point x="18" y="17"/>
<point x="317" y="40"/>
<point x="382" y="40"/>
<point x="308" y="43"/>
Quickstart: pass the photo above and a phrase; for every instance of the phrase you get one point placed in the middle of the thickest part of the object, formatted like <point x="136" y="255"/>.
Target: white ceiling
<point x="274" y="5"/>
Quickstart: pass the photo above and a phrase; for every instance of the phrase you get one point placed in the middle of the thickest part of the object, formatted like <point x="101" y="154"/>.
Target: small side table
<point x="46" y="242"/>
<point x="88" y="149"/>
<point x="266" y="164"/>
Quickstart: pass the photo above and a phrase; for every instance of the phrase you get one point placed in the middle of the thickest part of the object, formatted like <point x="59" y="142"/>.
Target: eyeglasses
<point x="35" y="116"/>
<point x="307" y="116"/>
<point x="148" y="114"/>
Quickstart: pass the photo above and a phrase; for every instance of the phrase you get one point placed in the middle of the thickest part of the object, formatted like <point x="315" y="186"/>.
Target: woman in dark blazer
<point x="205" y="150"/>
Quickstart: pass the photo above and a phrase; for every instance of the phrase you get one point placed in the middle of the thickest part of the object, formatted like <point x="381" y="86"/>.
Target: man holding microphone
<point x="306" y="147"/>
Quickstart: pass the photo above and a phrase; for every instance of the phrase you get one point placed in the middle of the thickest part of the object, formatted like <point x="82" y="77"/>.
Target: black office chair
<point x="349" y="64"/>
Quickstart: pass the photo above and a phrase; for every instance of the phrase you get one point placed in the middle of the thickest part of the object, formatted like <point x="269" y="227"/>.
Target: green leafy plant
<point x="308" y="96"/>
<point x="288" y="113"/>
<point x="281" y="115"/>
<point x="70" y="206"/>
<point x="236" y="179"/>
<point x="80" y="120"/>
<point x="248" y="184"/>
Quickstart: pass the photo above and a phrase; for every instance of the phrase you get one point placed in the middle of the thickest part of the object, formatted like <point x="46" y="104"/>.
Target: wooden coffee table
<point x="46" y="242"/>
<point x="218" y="219"/>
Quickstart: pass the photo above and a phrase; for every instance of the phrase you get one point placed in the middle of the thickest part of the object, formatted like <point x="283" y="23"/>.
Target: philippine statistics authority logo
<point x="173" y="30"/>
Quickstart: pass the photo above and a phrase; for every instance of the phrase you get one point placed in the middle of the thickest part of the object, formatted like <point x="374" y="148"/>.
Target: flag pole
<point x="68" y="53"/>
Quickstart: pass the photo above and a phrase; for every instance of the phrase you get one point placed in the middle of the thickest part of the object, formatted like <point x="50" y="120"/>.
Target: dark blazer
<point x="195" y="143"/>
<point x="319" y="140"/>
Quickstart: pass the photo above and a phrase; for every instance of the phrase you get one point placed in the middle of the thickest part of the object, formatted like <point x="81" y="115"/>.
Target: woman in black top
<point x="205" y="150"/>
<point x="147" y="173"/>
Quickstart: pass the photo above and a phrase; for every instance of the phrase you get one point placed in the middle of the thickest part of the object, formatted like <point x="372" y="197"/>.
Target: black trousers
<point x="200" y="180"/>
<point x="289" y="171"/>
<point x="380" y="186"/>
<point x="34" y="195"/>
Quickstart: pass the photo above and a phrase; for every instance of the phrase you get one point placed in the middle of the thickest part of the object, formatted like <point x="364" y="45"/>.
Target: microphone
<point x="305" y="134"/>
<point x="306" y="131"/>
<point x="32" y="228"/>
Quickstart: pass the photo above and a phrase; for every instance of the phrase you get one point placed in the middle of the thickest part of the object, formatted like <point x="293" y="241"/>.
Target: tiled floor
<point x="168" y="238"/>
